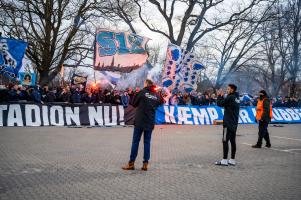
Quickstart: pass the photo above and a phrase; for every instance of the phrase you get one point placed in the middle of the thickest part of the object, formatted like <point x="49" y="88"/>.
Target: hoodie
<point x="231" y="112"/>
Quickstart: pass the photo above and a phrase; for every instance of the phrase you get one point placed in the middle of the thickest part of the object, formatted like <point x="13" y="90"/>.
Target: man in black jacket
<point x="146" y="101"/>
<point x="230" y="122"/>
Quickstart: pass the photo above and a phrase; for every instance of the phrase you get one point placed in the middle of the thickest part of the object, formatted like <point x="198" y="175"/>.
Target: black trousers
<point x="263" y="133"/>
<point x="229" y="134"/>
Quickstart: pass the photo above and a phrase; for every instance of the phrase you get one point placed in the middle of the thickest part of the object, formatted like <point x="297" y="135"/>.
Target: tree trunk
<point x="44" y="78"/>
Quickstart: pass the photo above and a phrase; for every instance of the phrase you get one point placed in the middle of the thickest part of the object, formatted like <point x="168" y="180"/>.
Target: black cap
<point x="263" y="92"/>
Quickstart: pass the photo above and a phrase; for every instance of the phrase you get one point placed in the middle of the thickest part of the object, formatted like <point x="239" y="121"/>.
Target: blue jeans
<point x="135" y="144"/>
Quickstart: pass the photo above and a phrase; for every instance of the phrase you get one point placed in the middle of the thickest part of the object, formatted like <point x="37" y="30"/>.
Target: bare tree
<point x="121" y="11"/>
<point x="280" y="62"/>
<point x="237" y="44"/>
<point x="291" y="16"/>
<point x="56" y="31"/>
<point x="190" y="27"/>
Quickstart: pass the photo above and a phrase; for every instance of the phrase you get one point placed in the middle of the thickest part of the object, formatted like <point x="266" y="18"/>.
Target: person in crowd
<point x="286" y="102"/>
<point x="23" y="95"/>
<point x="137" y="90"/>
<point x="125" y="99"/>
<point x="230" y="122"/>
<point x="88" y="97"/>
<point x="4" y="96"/>
<point x="130" y="93"/>
<point x="293" y="102"/>
<point x="13" y="93"/>
<point x="76" y="96"/>
<point x="99" y="95"/>
<point x="36" y="95"/>
<point x="51" y="95"/>
<point x="174" y="100"/>
<point x="44" y="92"/>
<point x="186" y="99"/>
<point x="263" y="116"/>
<point x="146" y="102"/>
<point x="108" y="97"/>
<point x="180" y="99"/>
<point x="194" y="99"/>
<point x="205" y="99"/>
<point x="278" y="102"/>
<point x="65" y="95"/>
<point x="212" y="100"/>
<point x="116" y="98"/>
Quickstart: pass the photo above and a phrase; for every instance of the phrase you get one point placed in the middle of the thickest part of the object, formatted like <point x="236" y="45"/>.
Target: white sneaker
<point x="232" y="162"/>
<point x="223" y="162"/>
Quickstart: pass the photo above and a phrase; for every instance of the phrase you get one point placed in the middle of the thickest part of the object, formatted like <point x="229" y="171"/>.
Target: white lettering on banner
<point x="245" y="116"/>
<point x="107" y="116"/>
<point x="239" y="119"/>
<point x="30" y="111"/>
<point x="213" y="114"/>
<point x="45" y="115"/>
<point x="74" y="116"/>
<point x="254" y="112"/>
<point x="200" y="116"/>
<point x="169" y="114"/>
<point x="121" y="115"/>
<point x="285" y="115"/>
<point x="14" y="115"/>
<point x="276" y="115"/>
<point x="2" y="108"/>
<point x="183" y="115"/>
<point x="298" y="111"/>
<point x="95" y="115"/>
<point x="294" y="115"/>
<point x="60" y="116"/>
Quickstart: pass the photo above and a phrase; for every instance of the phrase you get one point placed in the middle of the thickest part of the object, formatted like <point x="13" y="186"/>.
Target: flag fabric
<point x="27" y="78"/>
<point x="119" y="51"/>
<point x="78" y="79"/>
<point x="11" y="54"/>
<point x="112" y="77"/>
<point x="181" y="69"/>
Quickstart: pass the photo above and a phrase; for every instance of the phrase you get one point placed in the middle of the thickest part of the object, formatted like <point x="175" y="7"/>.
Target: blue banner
<point x="205" y="115"/>
<point x="11" y="55"/>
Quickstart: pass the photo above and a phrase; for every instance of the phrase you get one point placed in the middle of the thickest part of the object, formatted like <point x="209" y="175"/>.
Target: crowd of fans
<point x="91" y="95"/>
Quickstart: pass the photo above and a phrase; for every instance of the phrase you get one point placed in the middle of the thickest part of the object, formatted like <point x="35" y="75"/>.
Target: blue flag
<point x="11" y="55"/>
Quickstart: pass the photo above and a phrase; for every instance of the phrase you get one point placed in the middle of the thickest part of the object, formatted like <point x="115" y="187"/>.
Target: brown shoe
<point x="129" y="166"/>
<point x="144" y="167"/>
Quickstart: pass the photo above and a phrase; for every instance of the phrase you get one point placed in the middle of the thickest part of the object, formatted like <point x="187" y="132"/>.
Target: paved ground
<point x="84" y="163"/>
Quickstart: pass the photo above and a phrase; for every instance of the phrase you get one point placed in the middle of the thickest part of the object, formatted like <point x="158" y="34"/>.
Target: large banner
<point x="119" y="51"/>
<point x="60" y="115"/>
<point x="21" y="114"/>
<point x="202" y="115"/>
<point x="181" y="69"/>
<point x="11" y="55"/>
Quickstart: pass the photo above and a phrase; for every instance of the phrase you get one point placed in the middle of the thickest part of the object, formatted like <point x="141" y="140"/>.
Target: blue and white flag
<point x="181" y="69"/>
<point x="11" y="55"/>
<point x="112" y="77"/>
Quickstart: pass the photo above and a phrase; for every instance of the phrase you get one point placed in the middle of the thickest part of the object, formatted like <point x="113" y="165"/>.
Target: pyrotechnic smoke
<point x="135" y="78"/>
